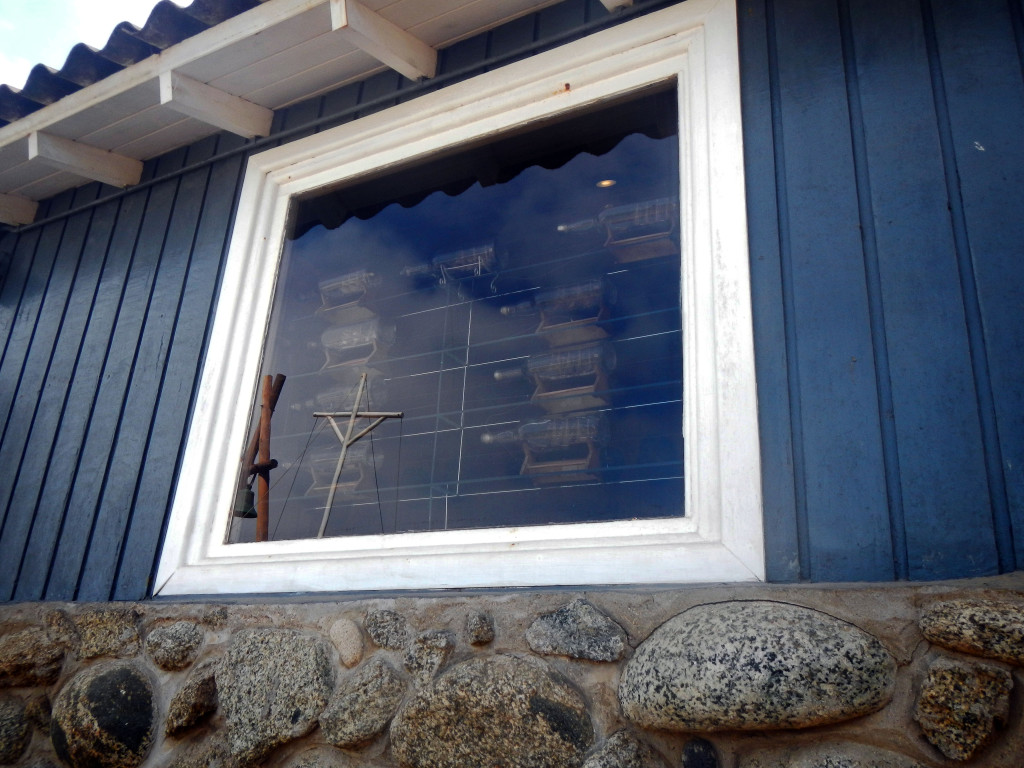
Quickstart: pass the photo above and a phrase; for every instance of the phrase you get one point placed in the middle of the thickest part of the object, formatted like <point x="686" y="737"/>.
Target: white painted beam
<point x="383" y="40"/>
<point x="84" y="160"/>
<point x="614" y="5"/>
<point x="214" y="106"/>
<point x="15" y="209"/>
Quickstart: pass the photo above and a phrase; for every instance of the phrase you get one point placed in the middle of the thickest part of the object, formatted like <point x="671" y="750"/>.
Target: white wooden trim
<point x="214" y="106"/>
<point x="614" y="5"/>
<point x="16" y="210"/>
<point x="84" y="160"/>
<point x="719" y="538"/>
<point x="386" y="42"/>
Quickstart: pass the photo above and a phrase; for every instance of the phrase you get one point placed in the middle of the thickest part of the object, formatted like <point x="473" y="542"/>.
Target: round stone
<point x="14" y="730"/>
<point x="746" y="665"/>
<point x="174" y="646"/>
<point x="500" y="710"/>
<point x="271" y="687"/>
<point x="348" y="639"/>
<point x="104" y="717"/>
<point x="979" y="627"/>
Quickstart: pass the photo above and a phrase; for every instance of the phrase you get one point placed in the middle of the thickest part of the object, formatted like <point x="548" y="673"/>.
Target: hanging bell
<point x="245" y="503"/>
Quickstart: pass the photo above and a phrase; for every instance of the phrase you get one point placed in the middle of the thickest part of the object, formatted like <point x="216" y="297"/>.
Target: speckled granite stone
<point x="195" y="700"/>
<point x="828" y="755"/>
<point x="580" y="631"/>
<point x="387" y="629"/>
<point x="363" y="705"/>
<point x="104" y="717"/>
<point x="108" y="632"/>
<point x="978" y="627"/>
<point x="324" y="757"/>
<point x="479" y="628"/>
<point x="209" y="753"/>
<point x="28" y="657"/>
<point x="744" y="665"/>
<point x="271" y="686"/>
<point x="961" y="705"/>
<point x="14" y="729"/>
<point x="174" y="646"/>
<point x="499" y="710"/>
<point x="625" y="750"/>
<point x="428" y="653"/>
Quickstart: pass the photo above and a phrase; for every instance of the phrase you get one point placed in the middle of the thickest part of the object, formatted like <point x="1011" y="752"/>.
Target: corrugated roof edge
<point x="167" y="25"/>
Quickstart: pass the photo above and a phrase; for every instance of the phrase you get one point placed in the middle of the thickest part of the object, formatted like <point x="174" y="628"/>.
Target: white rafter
<point x="84" y="160"/>
<point x="15" y="209"/>
<point x="214" y="106"/>
<point x="386" y="42"/>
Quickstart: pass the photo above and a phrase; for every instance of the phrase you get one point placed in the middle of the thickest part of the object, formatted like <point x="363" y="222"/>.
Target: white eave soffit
<point x="231" y="77"/>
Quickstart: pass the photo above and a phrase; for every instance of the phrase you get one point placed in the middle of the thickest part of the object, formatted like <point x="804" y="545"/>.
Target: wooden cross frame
<point x="347" y="439"/>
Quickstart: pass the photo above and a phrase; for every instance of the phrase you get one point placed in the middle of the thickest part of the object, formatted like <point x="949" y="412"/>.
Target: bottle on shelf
<point x="343" y="298"/>
<point x="570" y="379"/>
<point x="356" y="343"/>
<point x="468" y="262"/>
<point x="560" y="449"/>
<point x="569" y="314"/>
<point x="636" y="231"/>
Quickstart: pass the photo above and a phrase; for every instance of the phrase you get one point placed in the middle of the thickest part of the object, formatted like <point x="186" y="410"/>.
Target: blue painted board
<point x="148" y="374"/>
<point x="158" y="475"/>
<point x="59" y="482"/>
<point x="45" y="433"/>
<point x="765" y="169"/>
<point x="848" y="522"/>
<point x="100" y="440"/>
<point x="981" y="64"/>
<point x="946" y="506"/>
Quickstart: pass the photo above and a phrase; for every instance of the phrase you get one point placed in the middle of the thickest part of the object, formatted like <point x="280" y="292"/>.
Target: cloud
<point x="14" y="69"/>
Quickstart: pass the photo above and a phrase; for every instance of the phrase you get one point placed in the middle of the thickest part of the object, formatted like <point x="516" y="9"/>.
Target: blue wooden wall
<point x="885" y="176"/>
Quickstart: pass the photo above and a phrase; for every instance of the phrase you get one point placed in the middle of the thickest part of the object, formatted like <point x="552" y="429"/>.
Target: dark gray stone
<point x="387" y="629"/>
<point x="961" y="705"/>
<point x="699" y="753"/>
<point x="479" y="628"/>
<point x="747" y="665"/>
<point x="625" y="750"/>
<point x="828" y="755"/>
<point x="104" y="717"/>
<point x="14" y="729"/>
<point x="428" y="653"/>
<point x="580" y="631"/>
<point x="195" y="700"/>
<point x="175" y="646"/>
<point x="28" y="657"/>
<point x="108" y="632"/>
<point x="271" y="686"/>
<point x="978" y="627"/>
<point x="37" y="711"/>
<point x="363" y="705"/>
<point x="499" y="710"/>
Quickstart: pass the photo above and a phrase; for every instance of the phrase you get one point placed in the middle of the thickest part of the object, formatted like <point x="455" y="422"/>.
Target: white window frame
<point x="720" y="538"/>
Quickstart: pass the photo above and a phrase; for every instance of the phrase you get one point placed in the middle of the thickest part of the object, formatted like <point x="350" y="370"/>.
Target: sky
<point x="33" y="31"/>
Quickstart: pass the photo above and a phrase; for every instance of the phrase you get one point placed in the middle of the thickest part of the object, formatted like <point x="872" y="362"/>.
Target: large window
<point x="518" y="304"/>
<point x="537" y="282"/>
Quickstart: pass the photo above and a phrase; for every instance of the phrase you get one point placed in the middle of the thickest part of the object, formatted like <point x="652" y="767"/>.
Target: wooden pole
<point x="263" y="499"/>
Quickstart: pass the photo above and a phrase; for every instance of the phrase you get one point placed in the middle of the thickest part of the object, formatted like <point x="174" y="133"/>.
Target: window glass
<point x="518" y="303"/>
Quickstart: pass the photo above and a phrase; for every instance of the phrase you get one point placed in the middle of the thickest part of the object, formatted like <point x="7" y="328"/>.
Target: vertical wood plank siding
<point x="885" y="178"/>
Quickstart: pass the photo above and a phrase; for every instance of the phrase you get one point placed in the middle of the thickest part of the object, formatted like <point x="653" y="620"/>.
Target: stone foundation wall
<point x="701" y="677"/>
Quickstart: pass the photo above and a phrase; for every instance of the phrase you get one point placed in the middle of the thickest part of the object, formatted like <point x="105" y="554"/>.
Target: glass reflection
<point x="528" y="330"/>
